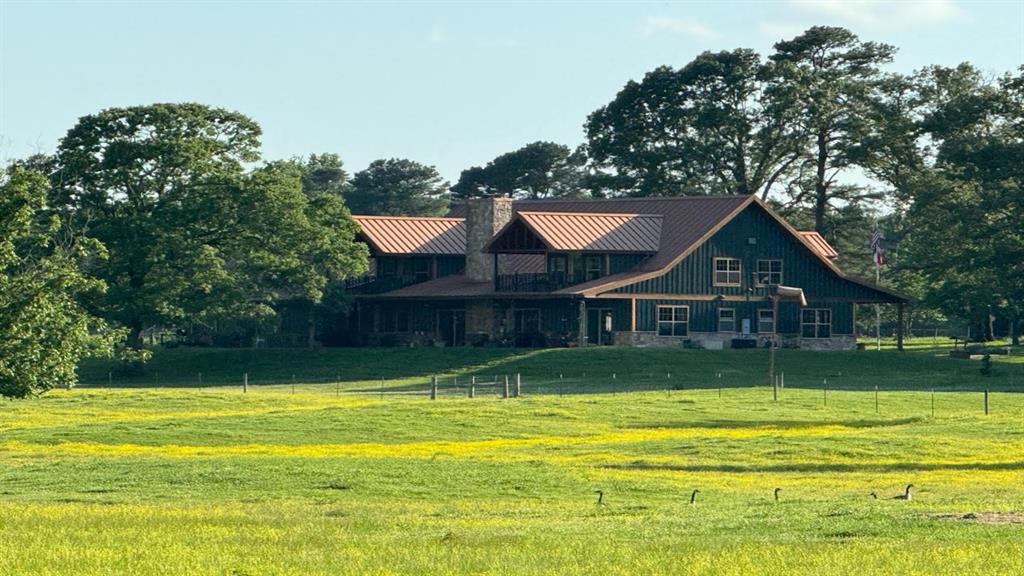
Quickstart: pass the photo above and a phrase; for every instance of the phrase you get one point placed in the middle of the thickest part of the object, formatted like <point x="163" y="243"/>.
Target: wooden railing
<point x="531" y="282"/>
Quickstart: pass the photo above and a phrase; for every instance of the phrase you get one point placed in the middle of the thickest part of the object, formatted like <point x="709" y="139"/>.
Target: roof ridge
<point x="593" y="214"/>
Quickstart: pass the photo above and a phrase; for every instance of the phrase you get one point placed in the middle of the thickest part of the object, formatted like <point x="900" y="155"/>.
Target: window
<point x="593" y="267"/>
<point x="764" y="321"/>
<point x="728" y="272"/>
<point x="387" y="267"/>
<point x="816" y="323"/>
<point x="394" y="320"/>
<point x="525" y="321"/>
<point x="557" y="264"/>
<point x="769" y="272"/>
<point x="726" y="319"/>
<point x="420" y="269"/>
<point x="673" y="320"/>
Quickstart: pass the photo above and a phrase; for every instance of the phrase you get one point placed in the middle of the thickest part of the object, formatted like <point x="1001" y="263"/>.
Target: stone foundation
<point x="715" y="339"/>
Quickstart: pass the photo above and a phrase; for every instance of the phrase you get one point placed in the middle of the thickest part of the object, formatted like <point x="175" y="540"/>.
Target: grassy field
<point x="180" y="480"/>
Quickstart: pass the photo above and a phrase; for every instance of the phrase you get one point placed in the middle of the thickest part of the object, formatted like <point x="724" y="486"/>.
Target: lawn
<point x="331" y="480"/>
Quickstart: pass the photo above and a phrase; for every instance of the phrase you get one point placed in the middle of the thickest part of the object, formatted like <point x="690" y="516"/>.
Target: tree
<point x="155" y="184"/>
<point x="191" y="236"/>
<point x="967" y="214"/>
<point x="323" y="174"/>
<point x="44" y="331"/>
<point x="835" y="76"/>
<point x="322" y="247"/>
<point x="724" y="123"/>
<point x="398" y="187"/>
<point x="537" y="170"/>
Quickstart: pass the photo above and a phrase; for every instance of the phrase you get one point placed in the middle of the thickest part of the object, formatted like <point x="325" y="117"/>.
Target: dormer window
<point x="593" y="267"/>
<point x="728" y="272"/>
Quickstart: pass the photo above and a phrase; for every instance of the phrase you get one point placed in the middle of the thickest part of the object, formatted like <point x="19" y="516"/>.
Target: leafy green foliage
<point x="968" y="212"/>
<point x="192" y="236"/>
<point x="834" y="75"/>
<point x="537" y="170"/>
<point x="398" y="187"/>
<point x="44" y="331"/>
<point x="721" y="124"/>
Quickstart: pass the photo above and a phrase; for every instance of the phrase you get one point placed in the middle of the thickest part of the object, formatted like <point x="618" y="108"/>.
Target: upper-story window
<point x="420" y="269"/>
<point x="593" y="267"/>
<point x="558" y="264"/>
<point x="387" y="267"/>
<point x="728" y="272"/>
<point x="769" y="272"/>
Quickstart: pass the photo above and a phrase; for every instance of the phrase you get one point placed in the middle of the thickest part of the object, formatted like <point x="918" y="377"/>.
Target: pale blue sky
<point x="449" y="84"/>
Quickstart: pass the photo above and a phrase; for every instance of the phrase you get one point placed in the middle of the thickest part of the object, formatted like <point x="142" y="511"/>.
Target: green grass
<point x="180" y="480"/>
<point x="926" y="365"/>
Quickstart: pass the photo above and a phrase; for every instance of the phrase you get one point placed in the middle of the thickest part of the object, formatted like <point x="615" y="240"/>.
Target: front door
<point x="451" y="327"/>
<point x="599" y="326"/>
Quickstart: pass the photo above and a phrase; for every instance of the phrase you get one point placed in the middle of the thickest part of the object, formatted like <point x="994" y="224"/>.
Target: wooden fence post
<point x="245" y="382"/>
<point x="472" y="387"/>
<point x="518" y="390"/>
<point x="986" y="401"/>
<point x="775" y="388"/>
<point x="505" y="393"/>
<point x="433" y="387"/>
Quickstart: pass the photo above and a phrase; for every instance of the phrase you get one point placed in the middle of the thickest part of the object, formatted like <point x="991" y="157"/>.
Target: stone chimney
<point x="484" y="217"/>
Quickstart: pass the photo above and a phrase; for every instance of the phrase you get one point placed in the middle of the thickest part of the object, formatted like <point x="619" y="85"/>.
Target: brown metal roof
<point x="603" y="232"/>
<point x="414" y="234"/>
<point x="686" y="223"/>
<point x="820" y="245"/>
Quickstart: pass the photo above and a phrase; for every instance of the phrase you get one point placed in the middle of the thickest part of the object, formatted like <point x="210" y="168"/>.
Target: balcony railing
<point x="531" y="282"/>
<point x="372" y="284"/>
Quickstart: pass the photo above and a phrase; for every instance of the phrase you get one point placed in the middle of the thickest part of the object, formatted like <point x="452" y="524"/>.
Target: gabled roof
<point x="592" y="232"/>
<point x="414" y="235"/>
<point x="820" y="245"/>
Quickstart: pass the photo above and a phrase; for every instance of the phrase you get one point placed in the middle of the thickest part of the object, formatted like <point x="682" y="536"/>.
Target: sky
<point x="448" y="84"/>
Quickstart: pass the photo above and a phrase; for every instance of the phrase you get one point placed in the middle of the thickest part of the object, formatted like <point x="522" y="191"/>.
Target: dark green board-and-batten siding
<point x="801" y="268"/>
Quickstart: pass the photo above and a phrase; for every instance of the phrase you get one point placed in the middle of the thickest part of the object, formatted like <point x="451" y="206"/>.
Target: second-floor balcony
<point x="373" y="284"/>
<point x="532" y="282"/>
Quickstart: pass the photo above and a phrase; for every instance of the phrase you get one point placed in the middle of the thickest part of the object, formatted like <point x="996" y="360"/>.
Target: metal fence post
<point x="433" y="387"/>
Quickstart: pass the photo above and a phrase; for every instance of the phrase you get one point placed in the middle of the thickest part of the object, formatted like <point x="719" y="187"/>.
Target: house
<point x="695" y="271"/>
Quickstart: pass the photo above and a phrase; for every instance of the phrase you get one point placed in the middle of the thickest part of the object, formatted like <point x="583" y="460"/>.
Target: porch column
<point x="899" y="326"/>
<point x="583" y="322"/>
<point x="632" y="314"/>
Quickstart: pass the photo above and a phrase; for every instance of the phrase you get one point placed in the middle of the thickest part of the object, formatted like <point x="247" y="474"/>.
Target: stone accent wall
<point x="652" y="340"/>
<point x="484" y="217"/>
<point x="480" y="322"/>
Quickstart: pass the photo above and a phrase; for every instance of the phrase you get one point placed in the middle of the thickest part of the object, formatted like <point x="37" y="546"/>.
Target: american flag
<point x="876" y="247"/>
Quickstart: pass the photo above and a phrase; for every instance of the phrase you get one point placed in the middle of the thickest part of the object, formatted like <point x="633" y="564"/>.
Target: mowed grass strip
<point x="159" y="481"/>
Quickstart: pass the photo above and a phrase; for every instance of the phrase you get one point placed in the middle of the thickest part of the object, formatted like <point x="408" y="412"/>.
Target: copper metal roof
<point x="414" y="234"/>
<point x="603" y="232"/>
<point x="820" y="245"/>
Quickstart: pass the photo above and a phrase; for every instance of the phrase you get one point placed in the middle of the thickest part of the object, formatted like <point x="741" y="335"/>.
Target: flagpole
<point x="878" y="311"/>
